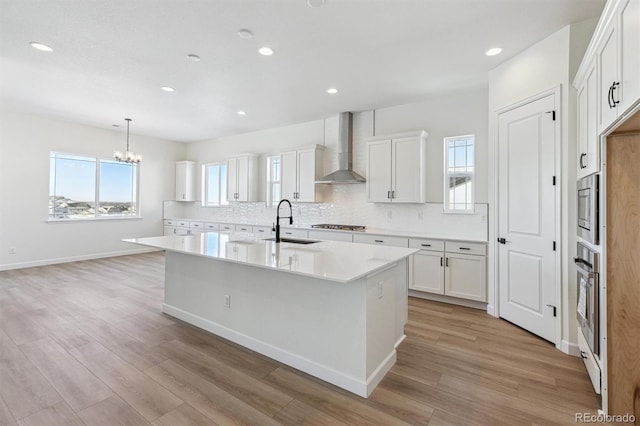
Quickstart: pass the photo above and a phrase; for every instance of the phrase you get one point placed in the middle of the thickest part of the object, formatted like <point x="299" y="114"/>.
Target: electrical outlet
<point x="227" y="301"/>
<point x="380" y="290"/>
<point x="12" y="250"/>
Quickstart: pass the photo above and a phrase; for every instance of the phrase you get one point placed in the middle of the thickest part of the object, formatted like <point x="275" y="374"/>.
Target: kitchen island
<point x="331" y="309"/>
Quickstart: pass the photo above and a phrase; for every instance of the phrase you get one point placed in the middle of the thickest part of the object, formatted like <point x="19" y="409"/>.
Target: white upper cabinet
<point x="300" y="169"/>
<point x="629" y="23"/>
<point x="242" y="178"/>
<point x="396" y="169"/>
<point x="185" y="181"/>
<point x="588" y="153"/>
<point x="618" y="56"/>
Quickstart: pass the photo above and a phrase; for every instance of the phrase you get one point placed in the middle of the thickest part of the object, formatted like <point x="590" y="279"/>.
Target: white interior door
<point x="527" y="215"/>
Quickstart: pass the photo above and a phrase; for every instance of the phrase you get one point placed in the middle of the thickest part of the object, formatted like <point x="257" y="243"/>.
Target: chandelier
<point x="128" y="156"/>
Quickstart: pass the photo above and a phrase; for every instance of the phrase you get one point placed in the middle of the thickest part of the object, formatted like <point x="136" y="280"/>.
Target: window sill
<point x="94" y="219"/>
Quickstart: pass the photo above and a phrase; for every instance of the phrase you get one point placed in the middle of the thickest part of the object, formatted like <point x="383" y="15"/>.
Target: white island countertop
<point x="329" y="260"/>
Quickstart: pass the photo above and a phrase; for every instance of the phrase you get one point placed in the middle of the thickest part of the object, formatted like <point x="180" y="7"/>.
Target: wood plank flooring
<point x="86" y="343"/>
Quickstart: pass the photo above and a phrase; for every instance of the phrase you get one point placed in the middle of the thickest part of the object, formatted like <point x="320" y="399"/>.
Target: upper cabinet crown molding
<point x="417" y="133"/>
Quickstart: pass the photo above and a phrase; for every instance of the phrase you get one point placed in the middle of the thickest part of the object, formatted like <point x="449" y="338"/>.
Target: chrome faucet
<point x="277" y="227"/>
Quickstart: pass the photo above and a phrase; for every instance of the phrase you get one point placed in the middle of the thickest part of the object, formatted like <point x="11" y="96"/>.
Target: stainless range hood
<point x="344" y="174"/>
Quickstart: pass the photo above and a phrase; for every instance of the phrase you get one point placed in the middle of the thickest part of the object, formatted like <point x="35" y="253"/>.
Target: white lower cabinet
<point x="330" y="236"/>
<point x="449" y="268"/>
<point x="293" y="233"/>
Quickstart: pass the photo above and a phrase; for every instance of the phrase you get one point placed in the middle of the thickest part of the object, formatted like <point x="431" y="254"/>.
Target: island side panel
<point x="314" y="325"/>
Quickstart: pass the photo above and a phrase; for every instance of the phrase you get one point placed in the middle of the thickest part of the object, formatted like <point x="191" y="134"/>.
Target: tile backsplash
<point x="346" y="208"/>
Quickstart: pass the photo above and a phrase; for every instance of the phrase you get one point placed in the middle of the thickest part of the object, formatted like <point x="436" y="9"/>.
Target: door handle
<point x="502" y="240"/>
<point x="582" y="165"/>
<point x="614" y="86"/>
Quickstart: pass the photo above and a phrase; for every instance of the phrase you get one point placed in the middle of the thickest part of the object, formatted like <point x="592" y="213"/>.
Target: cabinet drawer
<point x="297" y="233"/>
<point x="466" y="248"/>
<point x="226" y="227"/>
<point x="330" y="236"/>
<point x="262" y="230"/>
<point x="244" y="228"/>
<point x="424" y="244"/>
<point x="169" y="222"/>
<point x="211" y="226"/>
<point x="589" y="361"/>
<point x="182" y="223"/>
<point x="196" y="225"/>
<point x="384" y="240"/>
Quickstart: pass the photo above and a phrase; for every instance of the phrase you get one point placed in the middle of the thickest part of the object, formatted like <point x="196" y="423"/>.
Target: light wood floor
<point x="86" y="343"/>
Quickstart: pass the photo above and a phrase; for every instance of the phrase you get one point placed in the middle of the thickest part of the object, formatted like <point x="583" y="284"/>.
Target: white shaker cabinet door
<point x="289" y="174"/>
<point x="379" y="171"/>
<point x="629" y="53"/>
<point x="426" y="272"/>
<point x="465" y="276"/>
<point x="407" y="180"/>
<point x="609" y="82"/>
<point x="232" y="179"/>
<point x="306" y="170"/>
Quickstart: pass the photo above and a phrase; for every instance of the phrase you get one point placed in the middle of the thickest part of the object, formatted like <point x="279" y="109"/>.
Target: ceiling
<point x="112" y="56"/>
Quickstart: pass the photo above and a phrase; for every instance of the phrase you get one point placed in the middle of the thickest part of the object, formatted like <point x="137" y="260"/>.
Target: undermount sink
<point x="293" y="240"/>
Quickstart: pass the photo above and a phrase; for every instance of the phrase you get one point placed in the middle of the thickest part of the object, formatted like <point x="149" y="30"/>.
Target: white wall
<point x="25" y="144"/>
<point x="456" y="114"/>
<point x="548" y="64"/>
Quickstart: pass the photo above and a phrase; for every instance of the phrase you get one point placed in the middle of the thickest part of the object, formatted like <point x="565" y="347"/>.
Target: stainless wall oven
<point x="588" y="310"/>
<point x="588" y="208"/>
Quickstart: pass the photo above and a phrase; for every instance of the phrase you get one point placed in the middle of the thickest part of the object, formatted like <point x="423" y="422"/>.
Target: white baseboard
<point x="570" y="348"/>
<point x="491" y="310"/>
<point x="448" y="299"/>
<point x="44" y="262"/>
<point x="360" y="387"/>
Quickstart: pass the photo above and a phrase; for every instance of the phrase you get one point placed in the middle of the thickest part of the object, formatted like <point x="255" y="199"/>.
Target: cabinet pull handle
<point x="614" y="86"/>
<point x="609" y="96"/>
<point x="379" y="241"/>
<point x="447" y="262"/>
<point x="389" y="194"/>
<point x="440" y="261"/>
<point x="425" y="245"/>
<point x="465" y="248"/>
<point x="288" y="233"/>
<point x="582" y="165"/>
<point x="393" y="194"/>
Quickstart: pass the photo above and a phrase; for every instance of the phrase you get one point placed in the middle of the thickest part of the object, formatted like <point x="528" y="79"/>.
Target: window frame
<point x="96" y="216"/>
<point x="271" y="182"/>
<point x="448" y="175"/>
<point x="222" y="200"/>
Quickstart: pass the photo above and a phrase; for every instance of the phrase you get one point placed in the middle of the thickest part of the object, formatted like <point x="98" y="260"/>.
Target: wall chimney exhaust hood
<point x="344" y="174"/>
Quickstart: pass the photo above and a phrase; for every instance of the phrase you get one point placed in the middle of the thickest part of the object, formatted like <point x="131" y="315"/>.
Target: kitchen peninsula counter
<point x="334" y="310"/>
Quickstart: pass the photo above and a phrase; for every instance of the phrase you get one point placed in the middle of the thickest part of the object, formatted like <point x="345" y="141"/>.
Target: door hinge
<point x="554" y="181"/>
<point x="554" y="309"/>
<point x="554" y="246"/>
<point x="553" y="114"/>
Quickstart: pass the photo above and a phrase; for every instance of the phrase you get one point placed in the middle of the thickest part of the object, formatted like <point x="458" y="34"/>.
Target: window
<point x="459" y="169"/>
<point x="274" y="180"/>
<point x="90" y="188"/>
<point x="214" y="187"/>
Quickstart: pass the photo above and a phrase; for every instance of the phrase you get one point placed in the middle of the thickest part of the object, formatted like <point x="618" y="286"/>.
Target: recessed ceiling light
<point x="241" y="113"/>
<point x="332" y="90"/>
<point x="493" y="51"/>
<point x="245" y="34"/>
<point x="315" y="3"/>
<point x="41" y="47"/>
<point x="265" y="51"/>
<point x="193" y="58"/>
<point x="168" y="89"/>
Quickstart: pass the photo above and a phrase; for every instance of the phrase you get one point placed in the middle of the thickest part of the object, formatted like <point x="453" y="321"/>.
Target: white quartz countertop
<point x="368" y="231"/>
<point x="330" y="260"/>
